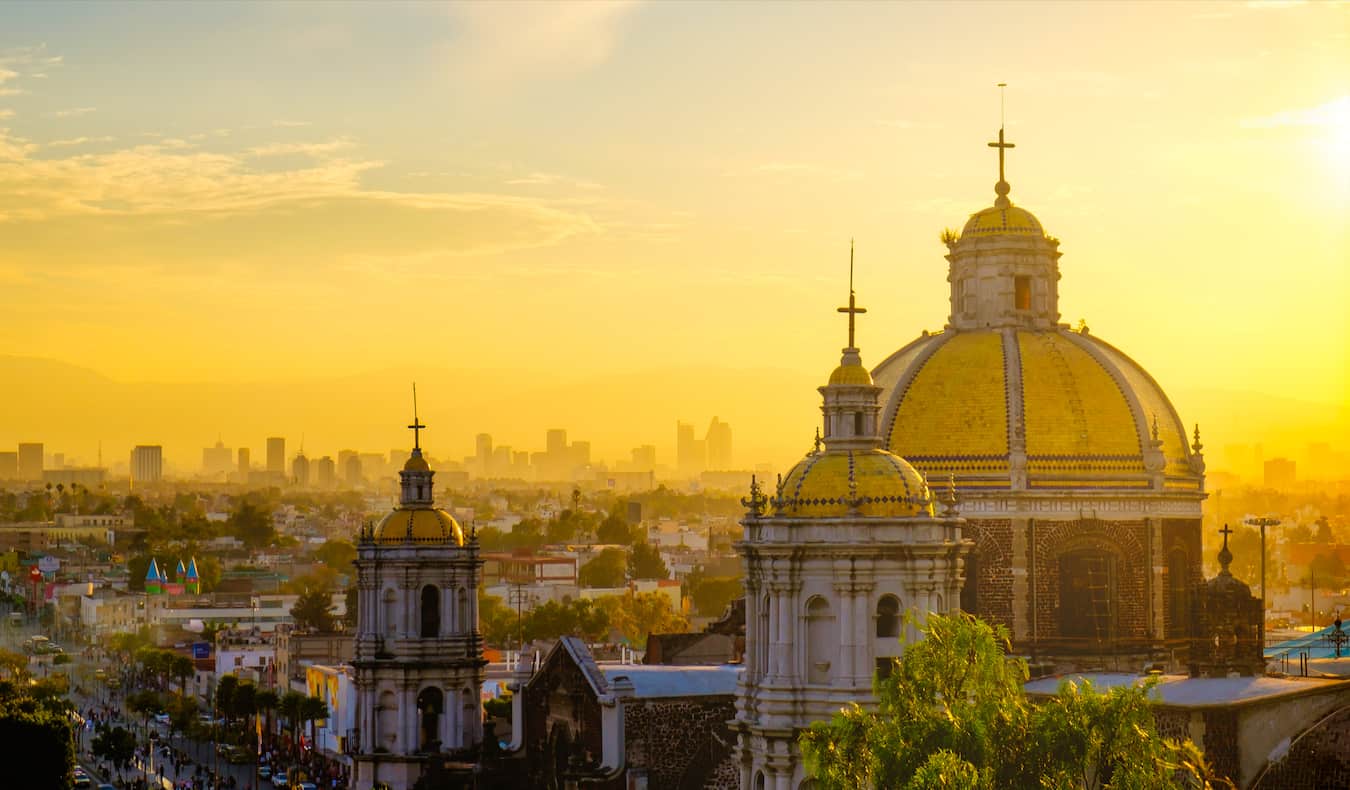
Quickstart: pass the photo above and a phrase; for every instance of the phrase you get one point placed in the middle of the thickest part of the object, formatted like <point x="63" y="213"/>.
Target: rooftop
<point x="671" y="681"/>
<point x="1185" y="691"/>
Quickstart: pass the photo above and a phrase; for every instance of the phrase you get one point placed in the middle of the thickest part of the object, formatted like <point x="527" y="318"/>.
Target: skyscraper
<point x="326" y="472"/>
<point x="719" y="445"/>
<point x="691" y="455"/>
<point x="9" y="465"/>
<point x="243" y="464"/>
<point x="30" y="461"/>
<point x="217" y="460"/>
<point x="276" y="454"/>
<point x="147" y="463"/>
<point x="300" y="470"/>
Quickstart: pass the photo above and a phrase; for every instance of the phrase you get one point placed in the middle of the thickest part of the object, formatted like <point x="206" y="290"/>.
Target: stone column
<point x="1157" y="564"/>
<point x="785" y="613"/>
<point x="848" y="639"/>
<point x="863" y="658"/>
<point x="407" y="719"/>
<point x="753" y="639"/>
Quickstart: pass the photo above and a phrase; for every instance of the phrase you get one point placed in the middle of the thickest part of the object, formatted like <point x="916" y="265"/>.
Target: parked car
<point x="162" y="718"/>
<point x="279" y="778"/>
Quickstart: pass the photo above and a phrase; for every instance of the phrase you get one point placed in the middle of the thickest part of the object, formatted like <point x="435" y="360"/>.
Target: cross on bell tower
<point x="1002" y="188"/>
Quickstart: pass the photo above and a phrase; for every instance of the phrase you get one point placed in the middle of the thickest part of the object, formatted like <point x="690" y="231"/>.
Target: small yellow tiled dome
<point x="1010" y="221"/>
<point x="419" y="525"/>
<point x="856" y="375"/>
<point x="875" y="482"/>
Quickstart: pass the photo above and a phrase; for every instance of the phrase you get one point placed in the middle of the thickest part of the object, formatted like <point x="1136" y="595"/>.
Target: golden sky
<point x="572" y="193"/>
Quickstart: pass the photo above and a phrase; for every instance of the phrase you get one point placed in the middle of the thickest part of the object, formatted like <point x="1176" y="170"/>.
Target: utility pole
<point x="1263" y="522"/>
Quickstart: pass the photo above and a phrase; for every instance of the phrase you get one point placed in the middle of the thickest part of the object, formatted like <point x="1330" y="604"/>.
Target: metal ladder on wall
<point x="1099" y="595"/>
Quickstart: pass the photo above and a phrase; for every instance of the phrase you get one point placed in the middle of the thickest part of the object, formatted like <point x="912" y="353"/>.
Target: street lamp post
<point x="1263" y="522"/>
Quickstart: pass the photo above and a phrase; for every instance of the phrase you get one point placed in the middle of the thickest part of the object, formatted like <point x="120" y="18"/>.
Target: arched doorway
<point x="1087" y="595"/>
<point x="430" y="706"/>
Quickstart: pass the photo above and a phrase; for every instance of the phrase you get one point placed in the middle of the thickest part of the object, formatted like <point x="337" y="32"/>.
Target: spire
<point x="853" y="310"/>
<point x="416" y="427"/>
<point x="1002" y="188"/>
<point x="1196" y="446"/>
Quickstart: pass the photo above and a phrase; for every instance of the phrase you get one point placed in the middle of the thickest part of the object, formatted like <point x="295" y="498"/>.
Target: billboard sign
<point x="201" y="649"/>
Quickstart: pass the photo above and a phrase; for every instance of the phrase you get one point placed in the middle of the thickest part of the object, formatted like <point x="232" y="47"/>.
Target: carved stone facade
<point x="1227" y="629"/>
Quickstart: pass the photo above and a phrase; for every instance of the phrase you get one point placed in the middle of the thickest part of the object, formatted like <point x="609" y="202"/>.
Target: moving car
<point x="264" y="772"/>
<point x="279" y="778"/>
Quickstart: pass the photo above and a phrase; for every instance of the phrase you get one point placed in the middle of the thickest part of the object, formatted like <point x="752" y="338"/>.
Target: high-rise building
<point x="1279" y="473"/>
<point x="325" y="472"/>
<point x="30" y="461"/>
<point x="483" y="447"/>
<point x="58" y="460"/>
<point x="579" y="454"/>
<point x="300" y="470"/>
<point x="520" y="464"/>
<point x="691" y="455"/>
<point x="351" y="470"/>
<point x="276" y="454"/>
<point x="217" y="460"/>
<point x="243" y="464"/>
<point x="719" y="445"/>
<point x="644" y="458"/>
<point x="9" y="465"/>
<point x="147" y="464"/>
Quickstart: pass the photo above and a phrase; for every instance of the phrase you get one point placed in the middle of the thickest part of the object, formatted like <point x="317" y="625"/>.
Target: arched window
<point x="888" y="617"/>
<point x="390" y="612"/>
<point x="431" y="612"/>
<point x="759" y="780"/>
<point x="821" y="640"/>
<point x="430" y="706"/>
<point x="1022" y="292"/>
<point x="857" y="423"/>
<point x="1087" y="599"/>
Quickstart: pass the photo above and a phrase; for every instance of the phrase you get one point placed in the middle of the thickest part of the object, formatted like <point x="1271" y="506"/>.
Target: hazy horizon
<point x="610" y="216"/>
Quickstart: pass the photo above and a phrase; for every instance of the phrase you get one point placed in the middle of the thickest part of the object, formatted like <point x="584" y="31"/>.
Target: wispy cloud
<point x="506" y="41"/>
<point x="176" y="180"/>
<point x="22" y="62"/>
<point x="77" y="141"/>
<point x="552" y="179"/>
<point x="73" y="112"/>
<point x="290" y="124"/>
<point x="4" y="113"/>
<point x="1333" y="113"/>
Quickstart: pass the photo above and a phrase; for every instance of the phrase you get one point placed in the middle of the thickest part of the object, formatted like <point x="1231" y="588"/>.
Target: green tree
<point x="714" y="593"/>
<point x="265" y="702"/>
<point x="644" y="562"/>
<point x="252" y="525"/>
<point x="312" y="710"/>
<point x="496" y="620"/>
<point x="636" y="616"/>
<point x="225" y="690"/>
<point x="37" y="740"/>
<point x="314" y="609"/>
<point x="336" y="554"/>
<point x="115" y="745"/>
<point x="291" y="707"/>
<point x="614" y="529"/>
<point x="604" y="570"/>
<point x="953" y="714"/>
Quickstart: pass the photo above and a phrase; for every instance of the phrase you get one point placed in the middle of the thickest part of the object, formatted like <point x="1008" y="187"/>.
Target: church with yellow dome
<point x="1081" y="489"/>
<point x="845" y="547"/>
<point x="419" y="661"/>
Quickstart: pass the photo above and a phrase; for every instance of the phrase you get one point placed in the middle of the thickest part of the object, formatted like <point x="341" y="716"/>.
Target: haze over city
<point x="255" y="220"/>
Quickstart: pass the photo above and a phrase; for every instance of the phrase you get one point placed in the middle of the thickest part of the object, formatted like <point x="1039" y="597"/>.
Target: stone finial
<point x="949" y="500"/>
<point x="1225" y="556"/>
<point x="1196" y="446"/>
<point x="755" y="503"/>
<point x="819" y="441"/>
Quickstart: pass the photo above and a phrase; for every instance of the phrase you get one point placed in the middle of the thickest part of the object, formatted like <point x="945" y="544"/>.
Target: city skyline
<point x="712" y="243"/>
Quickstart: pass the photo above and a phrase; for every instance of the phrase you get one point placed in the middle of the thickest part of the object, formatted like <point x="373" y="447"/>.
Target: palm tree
<point x="290" y="707"/>
<point x="246" y="700"/>
<point x="311" y="710"/>
<point x="265" y="702"/>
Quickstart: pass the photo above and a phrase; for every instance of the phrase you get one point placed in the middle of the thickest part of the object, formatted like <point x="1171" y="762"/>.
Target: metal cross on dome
<point x="417" y="427"/>
<point x="852" y="309"/>
<point x="1000" y="145"/>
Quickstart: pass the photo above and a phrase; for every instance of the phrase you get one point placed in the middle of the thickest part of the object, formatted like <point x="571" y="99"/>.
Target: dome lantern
<point x="851" y="402"/>
<point x="1004" y="268"/>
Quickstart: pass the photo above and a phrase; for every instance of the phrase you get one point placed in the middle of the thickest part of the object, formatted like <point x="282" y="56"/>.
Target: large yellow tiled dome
<point x="419" y="525"/>
<point x="831" y="484"/>
<point x="971" y="403"/>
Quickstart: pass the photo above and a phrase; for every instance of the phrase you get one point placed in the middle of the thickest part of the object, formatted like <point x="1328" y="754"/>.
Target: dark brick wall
<point x="1181" y="535"/>
<point x="1221" y="742"/>
<point x="1125" y="539"/>
<point x="993" y="574"/>
<point x="1318" y="760"/>
<point x="667" y="736"/>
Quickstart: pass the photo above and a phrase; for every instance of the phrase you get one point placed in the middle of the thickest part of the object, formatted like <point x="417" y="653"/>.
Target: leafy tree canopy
<point x="605" y="570"/>
<point x="636" y="616"/>
<point x="644" y="562"/>
<point x="314" y="609"/>
<point x="953" y="714"/>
